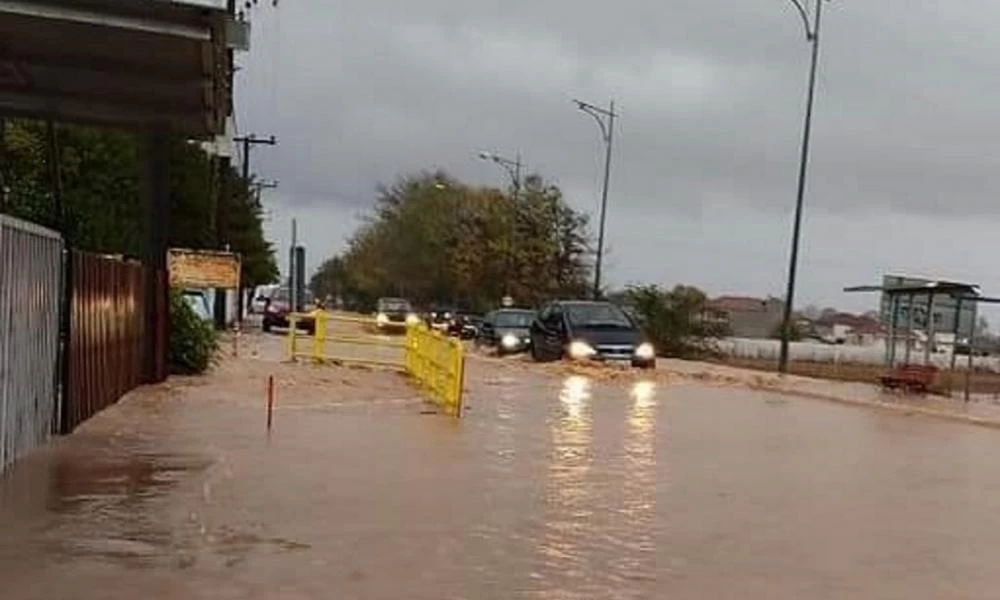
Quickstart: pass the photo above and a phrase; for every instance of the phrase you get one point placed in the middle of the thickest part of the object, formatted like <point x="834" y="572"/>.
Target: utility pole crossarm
<point x="248" y="141"/>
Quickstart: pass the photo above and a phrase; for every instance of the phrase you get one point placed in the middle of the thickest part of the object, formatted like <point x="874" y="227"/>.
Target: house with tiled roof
<point x="746" y="316"/>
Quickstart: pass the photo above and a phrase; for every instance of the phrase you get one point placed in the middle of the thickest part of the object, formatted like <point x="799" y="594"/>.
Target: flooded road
<point x="555" y="486"/>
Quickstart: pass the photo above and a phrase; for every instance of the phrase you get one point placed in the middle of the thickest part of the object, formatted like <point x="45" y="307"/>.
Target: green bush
<point x="674" y="320"/>
<point x="193" y="341"/>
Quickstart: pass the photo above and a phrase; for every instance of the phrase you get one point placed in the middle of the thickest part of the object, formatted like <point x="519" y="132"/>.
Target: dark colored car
<point x="440" y="318"/>
<point x="508" y="330"/>
<point x="465" y="325"/>
<point x="394" y="314"/>
<point x="582" y="330"/>
<point x="278" y="307"/>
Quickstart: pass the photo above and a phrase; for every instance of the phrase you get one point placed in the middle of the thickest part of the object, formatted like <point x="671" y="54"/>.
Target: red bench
<point x="910" y="378"/>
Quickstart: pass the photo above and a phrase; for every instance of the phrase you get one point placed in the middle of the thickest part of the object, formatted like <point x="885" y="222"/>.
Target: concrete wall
<point x="756" y="324"/>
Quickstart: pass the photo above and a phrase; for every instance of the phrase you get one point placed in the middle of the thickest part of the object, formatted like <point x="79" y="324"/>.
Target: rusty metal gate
<point x="107" y="334"/>
<point x="30" y="292"/>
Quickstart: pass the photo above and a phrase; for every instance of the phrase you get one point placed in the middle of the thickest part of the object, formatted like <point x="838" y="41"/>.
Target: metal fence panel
<point x="107" y="334"/>
<point x="30" y="279"/>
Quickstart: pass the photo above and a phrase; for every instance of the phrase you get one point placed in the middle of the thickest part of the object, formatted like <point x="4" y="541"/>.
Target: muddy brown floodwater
<point x="556" y="485"/>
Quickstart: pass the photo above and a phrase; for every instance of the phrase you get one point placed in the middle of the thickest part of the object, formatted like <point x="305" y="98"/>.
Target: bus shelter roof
<point x="963" y="291"/>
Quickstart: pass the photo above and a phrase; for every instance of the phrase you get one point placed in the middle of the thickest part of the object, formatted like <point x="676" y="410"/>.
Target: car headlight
<point x="447" y="315"/>
<point x="381" y="319"/>
<point x="509" y="340"/>
<point x="645" y="351"/>
<point x="581" y="350"/>
<point x="412" y="319"/>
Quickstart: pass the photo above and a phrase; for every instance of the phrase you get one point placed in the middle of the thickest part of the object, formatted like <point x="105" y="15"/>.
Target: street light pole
<point x="513" y="169"/>
<point x="607" y="136"/>
<point x="812" y="36"/>
<point x="512" y="166"/>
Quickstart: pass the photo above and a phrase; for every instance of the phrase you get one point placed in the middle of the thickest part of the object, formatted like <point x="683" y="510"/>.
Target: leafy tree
<point x="432" y="238"/>
<point x="674" y="319"/>
<point x="330" y="279"/>
<point x="99" y="171"/>
<point x="795" y="333"/>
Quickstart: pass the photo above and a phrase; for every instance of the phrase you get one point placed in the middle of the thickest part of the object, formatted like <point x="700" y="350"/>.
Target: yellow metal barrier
<point x="330" y="344"/>
<point x="436" y="362"/>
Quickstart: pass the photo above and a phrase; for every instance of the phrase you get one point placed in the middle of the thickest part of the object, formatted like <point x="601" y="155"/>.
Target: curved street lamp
<point x="513" y="168"/>
<point x="812" y="28"/>
<point x="605" y="118"/>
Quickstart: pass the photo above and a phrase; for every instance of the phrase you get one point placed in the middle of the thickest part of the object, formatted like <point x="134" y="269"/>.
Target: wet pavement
<point x="559" y="483"/>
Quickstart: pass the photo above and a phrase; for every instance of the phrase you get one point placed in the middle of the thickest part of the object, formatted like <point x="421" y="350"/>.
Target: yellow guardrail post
<point x="458" y="371"/>
<point x="319" y="335"/>
<point x="291" y="338"/>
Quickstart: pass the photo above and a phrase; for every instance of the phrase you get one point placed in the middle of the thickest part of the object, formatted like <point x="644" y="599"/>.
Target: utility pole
<point x="223" y="201"/>
<point x="292" y="284"/>
<point x="55" y="176"/>
<point x="259" y="186"/>
<point x="605" y="118"/>
<point x="812" y="36"/>
<point x="3" y="164"/>
<point x="248" y="142"/>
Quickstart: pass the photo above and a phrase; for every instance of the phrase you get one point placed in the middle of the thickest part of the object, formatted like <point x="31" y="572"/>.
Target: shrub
<point x="193" y="341"/>
<point x="674" y="320"/>
<point x="795" y="333"/>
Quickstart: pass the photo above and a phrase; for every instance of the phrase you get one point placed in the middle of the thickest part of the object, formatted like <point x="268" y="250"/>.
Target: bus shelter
<point x="932" y="307"/>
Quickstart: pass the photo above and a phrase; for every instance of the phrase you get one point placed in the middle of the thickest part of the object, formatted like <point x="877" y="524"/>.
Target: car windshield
<point x="598" y="315"/>
<point x="283" y="296"/>
<point x="394" y="304"/>
<point x="520" y="319"/>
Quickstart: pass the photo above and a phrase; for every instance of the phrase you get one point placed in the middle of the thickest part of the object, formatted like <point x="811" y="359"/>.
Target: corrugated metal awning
<point x="130" y="63"/>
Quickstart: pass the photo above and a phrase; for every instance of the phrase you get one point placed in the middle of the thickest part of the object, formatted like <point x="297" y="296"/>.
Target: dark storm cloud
<point x="711" y="94"/>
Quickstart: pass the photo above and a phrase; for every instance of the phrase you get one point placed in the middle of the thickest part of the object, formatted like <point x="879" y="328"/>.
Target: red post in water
<point x="270" y="401"/>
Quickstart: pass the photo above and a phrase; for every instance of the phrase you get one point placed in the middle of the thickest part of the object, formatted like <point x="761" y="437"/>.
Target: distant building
<point x="847" y="328"/>
<point x="746" y="317"/>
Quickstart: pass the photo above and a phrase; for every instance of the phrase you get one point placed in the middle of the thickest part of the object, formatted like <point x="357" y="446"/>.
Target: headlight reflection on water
<point x="643" y="394"/>
<point x="574" y="394"/>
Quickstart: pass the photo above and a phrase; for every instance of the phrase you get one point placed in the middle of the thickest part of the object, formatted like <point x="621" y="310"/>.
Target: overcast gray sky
<point x="906" y="147"/>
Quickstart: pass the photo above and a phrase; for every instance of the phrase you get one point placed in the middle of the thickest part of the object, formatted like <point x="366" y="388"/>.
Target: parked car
<point x="394" y="314"/>
<point x="279" y="306"/>
<point x="589" y="331"/>
<point x="508" y="330"/>
<point x="465" y="325"/>
<point x="439" y="318"/>
<point x="261" y="295"/>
